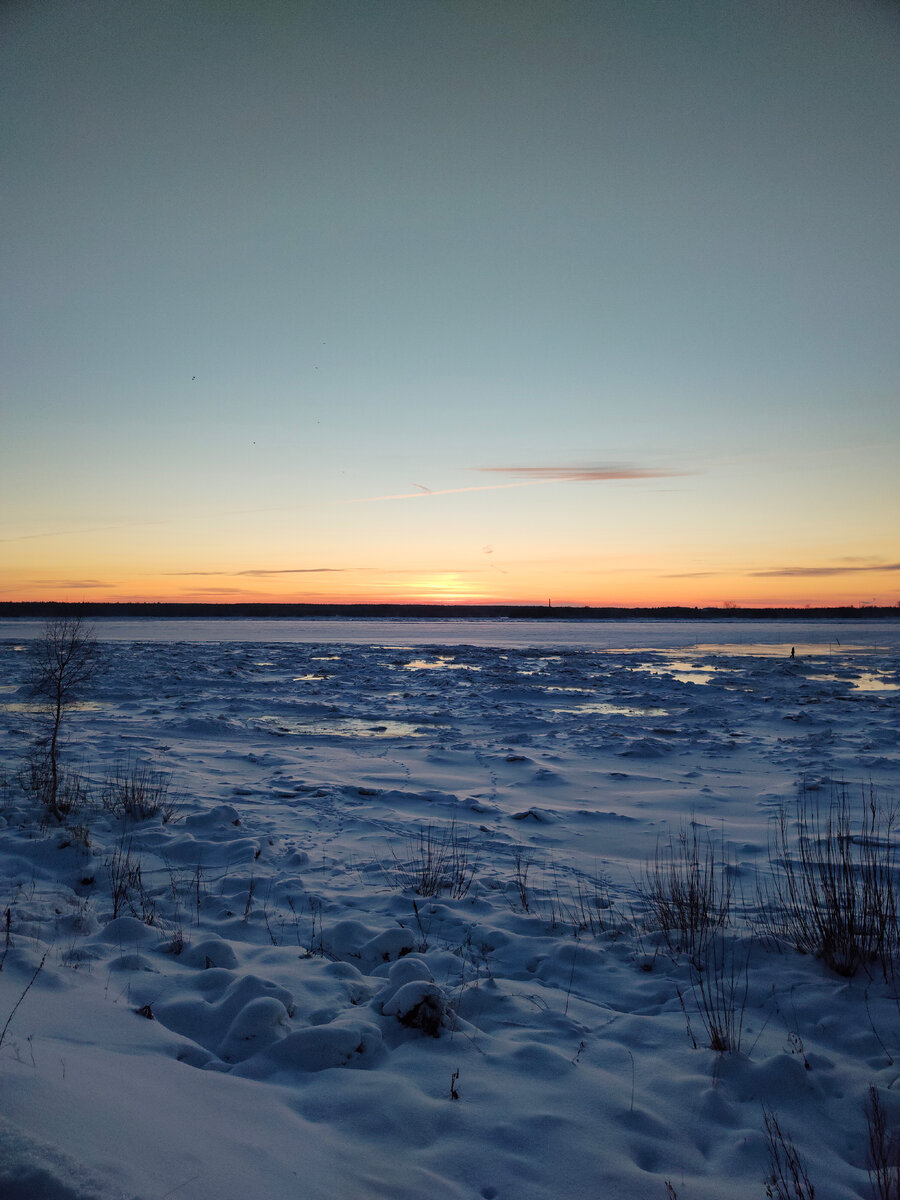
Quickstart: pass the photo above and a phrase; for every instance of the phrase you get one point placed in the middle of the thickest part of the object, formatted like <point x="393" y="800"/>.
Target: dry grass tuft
<point x="832" y="891"/>
<point x="439" y="860"/>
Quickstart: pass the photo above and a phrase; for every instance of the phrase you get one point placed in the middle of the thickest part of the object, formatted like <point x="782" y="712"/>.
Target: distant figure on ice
<point x="792" y="651"/>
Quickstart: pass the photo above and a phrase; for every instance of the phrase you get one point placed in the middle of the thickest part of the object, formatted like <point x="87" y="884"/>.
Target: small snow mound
<point x="256" y="1026"/>
<point x="126" y="931"/>
<point x="343" y="970"/>
<point x="345" y="938"/>
<point x="210" y="1022"/>
<point x="212" y="952"/>
<point x="432" y="796"/>
<point x="316" y="1049"/>
<point x="418" y="1005"/>
<point x="217" y="818"/>
<point x="131" y="962"/>
<point x="478" y="804"/>
<point x="193" y="1055"/>
<point x="540" y="815"/>
<point x="409" y="969"/>
<point x="388" y="946"/>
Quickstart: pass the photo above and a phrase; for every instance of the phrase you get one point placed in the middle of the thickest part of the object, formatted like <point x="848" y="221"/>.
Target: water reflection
<point x="614" y="710"/>
<point x="441" y="663"/>
<point x="682" y="670"/>
<point x="783" y="649"/>
<point x="342" y="727"/>
<point x="868" y="681"/>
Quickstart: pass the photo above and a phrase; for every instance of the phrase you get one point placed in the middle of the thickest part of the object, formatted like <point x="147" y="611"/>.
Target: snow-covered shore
<point x="270" y="1008"/>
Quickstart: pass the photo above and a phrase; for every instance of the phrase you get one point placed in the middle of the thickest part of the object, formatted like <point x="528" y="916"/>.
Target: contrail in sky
<point x="478" y="487"/>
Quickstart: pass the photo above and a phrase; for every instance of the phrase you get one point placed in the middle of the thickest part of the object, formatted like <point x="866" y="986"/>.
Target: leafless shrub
<point x="581" y="904"/>
<point x="133" y="790"/>
<point x="176" y="942"/>
<point x="522" y="864"/>
<point x="316" y="938"/>
<point x="78" y="833"/>
<point x="316" y="942"/>
<point x="720" y="982"/>
<point x="786" y="1178"/>
<point x="127" y="886"/>
<point x="438" y="860"/>
<point x="36" y="778"/>
<point x="687" y="891"/>
<point x="884" y="1149"/>
<point x="832" y="891"/>
<point x="60" y="794"/>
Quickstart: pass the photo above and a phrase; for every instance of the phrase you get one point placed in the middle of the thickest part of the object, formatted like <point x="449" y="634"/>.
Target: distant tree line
<point x="50" y="609"/>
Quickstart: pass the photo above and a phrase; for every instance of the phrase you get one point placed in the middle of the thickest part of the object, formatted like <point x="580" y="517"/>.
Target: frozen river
<point x="636" y="634"/>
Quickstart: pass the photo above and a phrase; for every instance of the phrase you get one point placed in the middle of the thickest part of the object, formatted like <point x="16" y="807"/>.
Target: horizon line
<point x="441" y="606"/>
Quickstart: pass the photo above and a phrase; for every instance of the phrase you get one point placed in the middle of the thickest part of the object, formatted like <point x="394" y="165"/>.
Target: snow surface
<point x="275" y="1012"/>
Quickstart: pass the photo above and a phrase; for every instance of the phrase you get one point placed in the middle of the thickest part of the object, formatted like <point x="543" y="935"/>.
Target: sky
<point x="477" y="301"/>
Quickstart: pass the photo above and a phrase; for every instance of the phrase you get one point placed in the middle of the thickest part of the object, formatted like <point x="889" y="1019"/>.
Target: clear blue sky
<point x="265" y="263"/>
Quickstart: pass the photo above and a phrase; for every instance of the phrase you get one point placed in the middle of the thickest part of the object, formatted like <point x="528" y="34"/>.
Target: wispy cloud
<point x="806" y="572"/>
<point x="219" y="591"/>
<point x="852" y="566"/>
<point x="263" y="572"/>
<point x="533" y="477"/>
<point x="593" y="473"/>
<point x="67" y="584"/>
<point x="699" y="574"/>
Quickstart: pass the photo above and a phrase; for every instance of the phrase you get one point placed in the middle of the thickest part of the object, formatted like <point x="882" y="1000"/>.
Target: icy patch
<point x="439" y="664"/>
<point x="338" y="727"/>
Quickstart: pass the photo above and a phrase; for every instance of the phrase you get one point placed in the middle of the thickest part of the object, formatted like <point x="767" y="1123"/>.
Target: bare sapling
<point x="28" y="986"/>
<point x="64" y="662"/>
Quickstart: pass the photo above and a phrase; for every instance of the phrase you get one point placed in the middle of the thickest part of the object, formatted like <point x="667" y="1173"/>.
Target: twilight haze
<point x="436" y="300"/>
